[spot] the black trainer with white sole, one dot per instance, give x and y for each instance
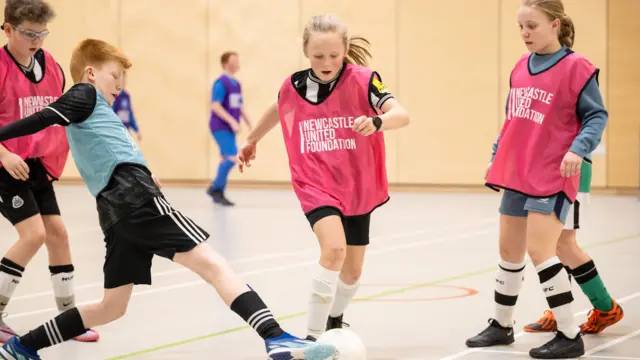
(493, 335)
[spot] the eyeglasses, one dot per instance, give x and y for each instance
(30, 34)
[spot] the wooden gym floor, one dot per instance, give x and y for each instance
(427, 283)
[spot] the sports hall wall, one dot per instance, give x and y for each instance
(447, 61)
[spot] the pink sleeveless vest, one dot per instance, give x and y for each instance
(331, 165)
(540, 126)
(20, 98)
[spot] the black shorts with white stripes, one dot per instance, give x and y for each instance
(153, 229)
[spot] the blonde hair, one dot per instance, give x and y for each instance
(554, 9)
(357, 47)
(92, 52)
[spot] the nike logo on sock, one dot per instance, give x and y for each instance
(67, 304)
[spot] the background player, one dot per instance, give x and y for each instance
(122, 106)
(31, 79)
(341, 180)
(138, 222)
(227, 108)
(545, 87)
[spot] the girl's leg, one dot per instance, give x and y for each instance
(357, 236)
(329, 229)
(510, 272)
(545, 223)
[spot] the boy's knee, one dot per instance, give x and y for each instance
(114, 309)
(57, 236)
(35, 236)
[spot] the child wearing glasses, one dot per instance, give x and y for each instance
(30, 79)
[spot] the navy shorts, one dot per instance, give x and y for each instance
(517, 204)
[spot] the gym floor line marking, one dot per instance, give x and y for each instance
(274, 256)
(375, 296)
(522, 333)
(466, 292)
(585, 356)
(137, 293)
(610, 343)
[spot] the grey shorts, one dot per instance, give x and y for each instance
(517, 204)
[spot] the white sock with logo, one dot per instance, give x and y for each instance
(10, 277)
(63, 286)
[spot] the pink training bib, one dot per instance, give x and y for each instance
(331, 165)
(540, 126)
(20, 98)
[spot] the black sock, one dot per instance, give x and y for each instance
(59, 269)
(10, 267)
(254, 311)
(58, 330)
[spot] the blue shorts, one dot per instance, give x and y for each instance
(517, 204)
(226, 142)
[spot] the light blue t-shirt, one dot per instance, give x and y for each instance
(99, 144)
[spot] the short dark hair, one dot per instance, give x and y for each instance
(224, 59)
(37, 11)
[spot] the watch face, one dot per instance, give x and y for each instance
(377, 122)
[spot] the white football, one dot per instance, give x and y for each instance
(347, 342)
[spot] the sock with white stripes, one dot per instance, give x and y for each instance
(253, 310)
(509, 280)
(344, 294)
(63, 327)
(62, 280)
(323, 290)
(10, 276)
(557, 288)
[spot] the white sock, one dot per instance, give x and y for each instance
(509, 280)
(8, 284)
(323, 290)
(10, 277)
(557, 288)
(63, 290)
(344, 294)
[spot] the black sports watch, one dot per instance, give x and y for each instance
(377, 122)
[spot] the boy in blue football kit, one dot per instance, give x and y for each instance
(123, 108)
(227, 108)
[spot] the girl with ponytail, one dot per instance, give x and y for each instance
(333, 116)
(555, 118)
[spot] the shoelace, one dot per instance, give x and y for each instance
(592, 319)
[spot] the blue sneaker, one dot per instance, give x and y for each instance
(289, 347)
(13, 350)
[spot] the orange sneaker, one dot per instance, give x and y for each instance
(600, 320)
(547, 323)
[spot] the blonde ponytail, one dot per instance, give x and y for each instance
(358, 51)
(567, 32)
